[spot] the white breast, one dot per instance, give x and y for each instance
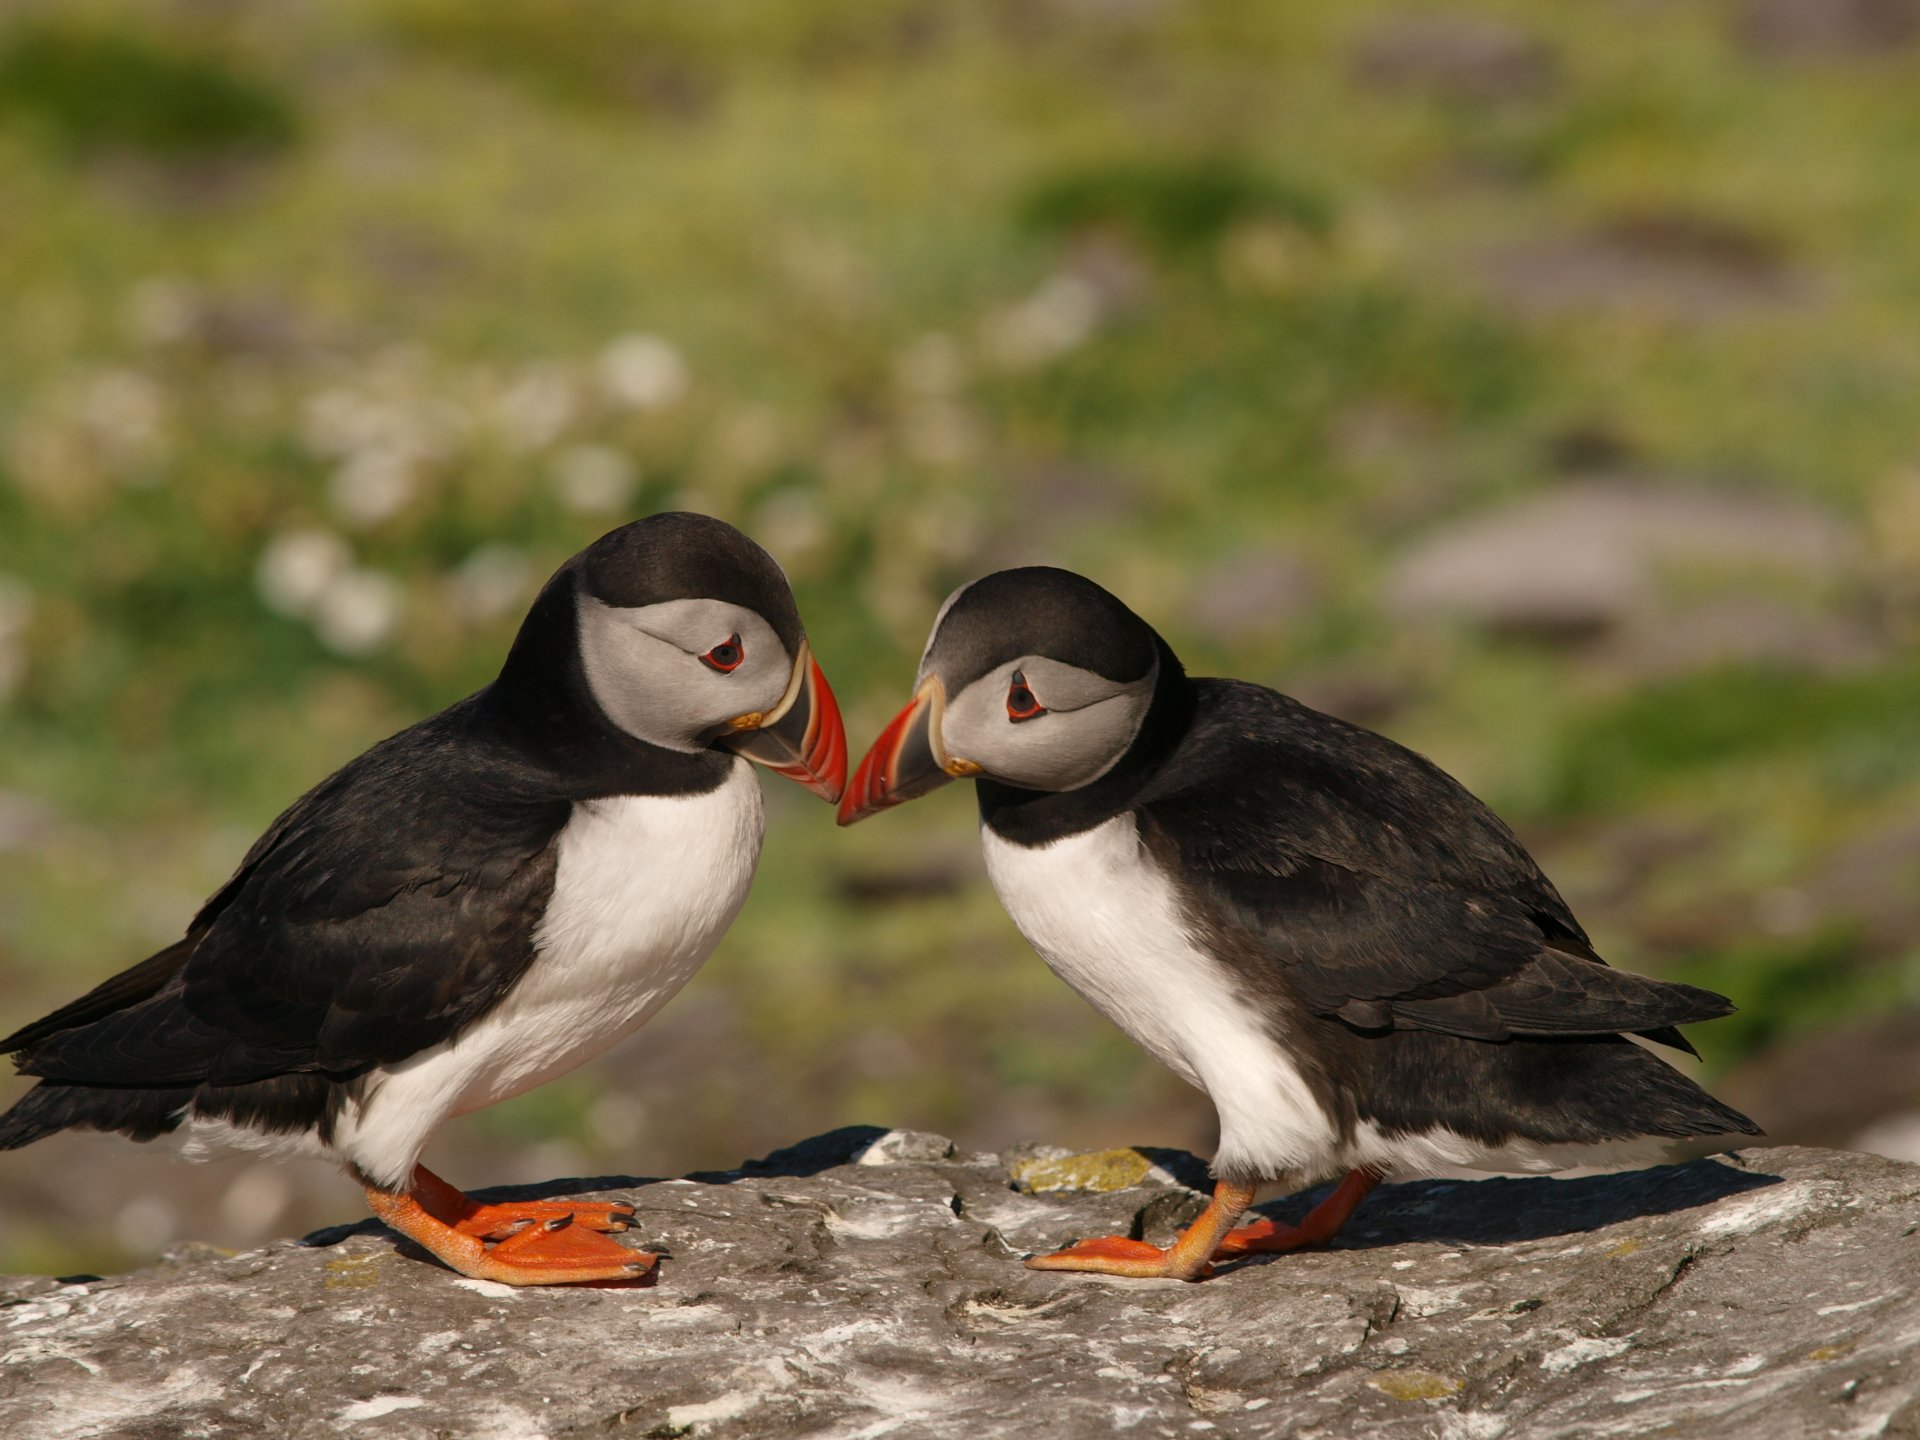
(1107, 922)
(645, 888)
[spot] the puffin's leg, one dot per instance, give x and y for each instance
(1322, 1223)
(496, 1222)
(545, 1252)
(1185, 1259)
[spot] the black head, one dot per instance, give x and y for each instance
(1039, 611)
(680, 632)
(682, 556)
(1036, 678)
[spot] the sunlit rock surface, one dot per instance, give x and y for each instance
(868, 1283)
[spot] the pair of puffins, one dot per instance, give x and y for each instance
(1353, 957)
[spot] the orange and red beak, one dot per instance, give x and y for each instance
(802, 737)
(908, 760)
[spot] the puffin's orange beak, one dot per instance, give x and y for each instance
(802, 737)
(907, 761)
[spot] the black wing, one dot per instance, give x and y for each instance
(389, 907)
(1361, 881)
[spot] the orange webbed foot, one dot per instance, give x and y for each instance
(559, 1252)
(1322, 1223)
(452, 1206)
(537, 1242)
(497, 1222)
(1117, 1255)
(1263, 1237)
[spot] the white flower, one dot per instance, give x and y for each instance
(1055, 320)
(126, 412)
(789, 524)
(535, 410)
(932, 366)
(373, 486)
(340, 421)
(491, 582)
(162, 310)
(594, 479)
(358, 611)
(643, 372)
(145, 1223)
(296, 568)
(938, 432)
(16, 609)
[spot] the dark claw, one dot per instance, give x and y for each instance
(559, 1222)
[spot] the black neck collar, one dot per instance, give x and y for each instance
(1035, 817)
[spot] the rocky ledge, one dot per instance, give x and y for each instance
(868, 1283)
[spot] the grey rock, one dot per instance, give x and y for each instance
(24, 819)
(1457, 56)
(1672, 266)
(1591, 554)
(1747, 629)
(1253, 592)
(1829, 29)
(906, 1147)
(1855, 1080)
(1776, 1293)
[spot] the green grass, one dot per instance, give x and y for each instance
(89, 89)
(1857, 735)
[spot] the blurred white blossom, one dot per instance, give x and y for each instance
(391, 405)
(340, 420)
(373, 486)
(617, 1121)
(16, 609)
(358, 611)
(948, 525)
(790, 524)
(750, 437)
(256, 1200)
(931, 366)
(938, 432)
(145, 1224)
(296, 568)
(1055, 320)
(162, 310)
(125, 412)
(643, 372)
(535, 410)
(594, 479)
(491, 582)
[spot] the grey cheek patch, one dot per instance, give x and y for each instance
(642, 669)
(1063, 750)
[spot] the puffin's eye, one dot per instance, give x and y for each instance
(726, 656)
(1022, 703)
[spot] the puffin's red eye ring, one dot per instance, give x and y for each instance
(1022, 703)
(726, 656)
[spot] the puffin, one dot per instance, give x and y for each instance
(477, 904)
(1350, 955)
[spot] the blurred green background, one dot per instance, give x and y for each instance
(1536, 383)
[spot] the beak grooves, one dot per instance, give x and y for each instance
(802, 737)
(906, 761)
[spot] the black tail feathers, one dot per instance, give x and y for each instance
(52, 1106)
